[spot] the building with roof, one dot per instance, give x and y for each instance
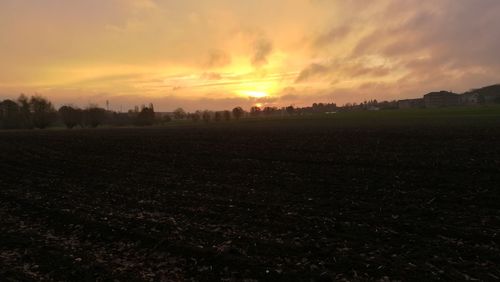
(441, 99)
(411, 103)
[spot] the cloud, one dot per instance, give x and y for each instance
(288, 94)
(358, 69)
(406, 48)
(262, 48)
(217, 58)
(143, 4)
(333, 35)
(211, 76)
(354, 49)
(313, 71)
(458, 33)
(341, 69)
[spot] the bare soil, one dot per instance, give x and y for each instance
(259, 201)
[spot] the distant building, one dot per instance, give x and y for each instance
(411, 103)
(486, 95)
(470, 98)
(491, 98)
(441, 99)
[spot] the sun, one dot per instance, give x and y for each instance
(254, 94)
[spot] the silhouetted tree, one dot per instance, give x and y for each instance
(290, 110)
(179, 113)
(196, 116)
(165, 119)
(43, 113)
(226, 115)
(238, 112)
(388, 105)
(146, 116)
(121, 119)
(255, 111)
(71, 116)
(206, 116)
(218, 116)
(269, 110)
(25, 112)
(94, 116)
(10, 115)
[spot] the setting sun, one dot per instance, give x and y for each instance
(219, 54)
(254, 94)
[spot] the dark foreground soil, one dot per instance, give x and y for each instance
(258, 201)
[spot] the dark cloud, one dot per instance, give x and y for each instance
(454, 33)
(262, 48)
(426, 45)
(217, 58)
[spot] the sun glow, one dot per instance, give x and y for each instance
(253, 94)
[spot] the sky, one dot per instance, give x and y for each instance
(218, 54)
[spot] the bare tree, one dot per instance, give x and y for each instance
(269, 111)
(71, 116)
(43, 113)
(238, 112)
(179, 113)
(166, 119)
(218, 116)
(226, 115)
(146, 116)
(9, 115)
(196, 116)
(255, 111)
(206, 116)
(25, 111)
(94, 116)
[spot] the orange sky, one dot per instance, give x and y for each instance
(217, 54)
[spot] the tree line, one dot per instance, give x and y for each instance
(38, 112)
(34, 112)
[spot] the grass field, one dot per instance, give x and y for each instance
(361, 196)
(473, 116)
(454, 116)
